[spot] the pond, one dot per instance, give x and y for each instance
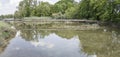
(35, 41)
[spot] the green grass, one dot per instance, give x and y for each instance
(5, 30)
(3, 24)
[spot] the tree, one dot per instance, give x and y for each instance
(63, 5)
(43, 9)
(34, 8)
(25, 8)
(6, 16)
(102, 10)
(83, 9)
(70, 12)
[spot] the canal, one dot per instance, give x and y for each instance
(61, 40)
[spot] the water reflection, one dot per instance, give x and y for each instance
(5, 37)
(63, 43)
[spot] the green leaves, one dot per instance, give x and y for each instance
(70, 12)
(43, 9)
(63, 5)
(105, 10)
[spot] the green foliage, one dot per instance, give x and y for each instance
(25, 8)
(6, 16)
(43, 9)
(58, 15)
(70, 12)
(63, 5)
(103, 10)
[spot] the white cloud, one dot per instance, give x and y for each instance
(0, 5)
(50, 1)
(15, 2)
(4, 1)
(9, 7)
(42, 44)
(77, 0)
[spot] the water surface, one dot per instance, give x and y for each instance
(30, 42)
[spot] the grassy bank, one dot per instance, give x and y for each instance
(110, 24)
(6, 34)
(6, 31)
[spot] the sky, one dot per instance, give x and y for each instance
(9, 6)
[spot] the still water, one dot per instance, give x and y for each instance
(29, 42)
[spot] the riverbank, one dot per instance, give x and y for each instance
(48, 20)
(110, 24)
(6, 31)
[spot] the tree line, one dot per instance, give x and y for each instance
(6, 16)
(102, 10)
(29, 8)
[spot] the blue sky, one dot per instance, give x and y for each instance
(9, 6)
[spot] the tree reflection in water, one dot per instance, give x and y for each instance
(5, 37)
(92, 43)
(99, 42)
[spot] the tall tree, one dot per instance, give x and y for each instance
(63, 5)
(43, 9)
